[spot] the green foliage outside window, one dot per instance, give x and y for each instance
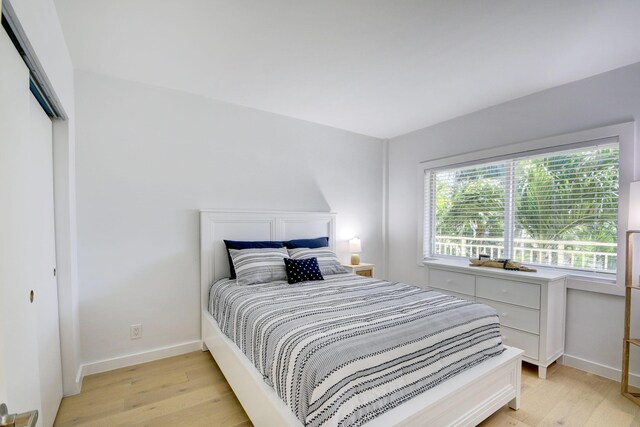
(564, 207)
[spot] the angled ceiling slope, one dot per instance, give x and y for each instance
(376, 67)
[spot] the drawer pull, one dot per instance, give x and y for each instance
(449, 280)
(504, 291)
(504, 314)
(504, 338)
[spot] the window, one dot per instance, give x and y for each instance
(553, 209)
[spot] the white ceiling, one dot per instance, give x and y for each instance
(377, 67)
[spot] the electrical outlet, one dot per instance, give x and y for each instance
(135, 331)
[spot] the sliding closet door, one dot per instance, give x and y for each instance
(19, 271)
(46, 289)
(30, 366)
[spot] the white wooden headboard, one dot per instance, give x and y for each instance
(218, 225)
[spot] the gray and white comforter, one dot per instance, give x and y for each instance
(342, 351)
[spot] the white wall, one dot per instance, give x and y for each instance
(594, 320)
(39, 20)
(149, 158)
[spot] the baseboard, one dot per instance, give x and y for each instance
(78, 384)
(598, 369)
(136, 358)
(74, 387)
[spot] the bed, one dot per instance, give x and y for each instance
(464, 399)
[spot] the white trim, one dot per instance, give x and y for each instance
(598, 369)
(591, 284)
(623, 132)
(422, 186)
(137, 358)
(385, 209)
(586, 137)
(75, 387)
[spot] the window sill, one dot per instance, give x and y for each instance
(594, 283)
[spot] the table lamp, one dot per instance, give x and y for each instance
(355, 247)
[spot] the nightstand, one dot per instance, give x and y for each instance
(362, 269)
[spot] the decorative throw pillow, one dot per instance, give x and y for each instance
(259, 265)
(327, 259)
(302, 270)
(242, 244)
(318, 242)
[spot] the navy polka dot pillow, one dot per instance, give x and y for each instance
(302, 270)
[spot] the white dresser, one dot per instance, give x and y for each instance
(531, 306)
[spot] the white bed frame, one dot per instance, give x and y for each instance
(464, 400)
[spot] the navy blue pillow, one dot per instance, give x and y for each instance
(302, 270)
(318, 242)
(239, 244)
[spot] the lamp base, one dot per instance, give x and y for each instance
(355, 259)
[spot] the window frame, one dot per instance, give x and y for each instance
(623, 134)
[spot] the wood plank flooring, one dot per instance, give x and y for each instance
(568, 397)
(186, 390)
(190, 390)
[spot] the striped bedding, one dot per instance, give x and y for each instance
(342, 351)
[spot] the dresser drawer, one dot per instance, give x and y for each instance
(453, 294)
(515, 316)
(457, 282)
(522, 340)
(520, 293)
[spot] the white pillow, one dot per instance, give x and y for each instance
(327, 259)
(259, 265)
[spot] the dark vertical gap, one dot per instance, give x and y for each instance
(34, 87)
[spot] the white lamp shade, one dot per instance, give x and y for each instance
(634, 206)
(355, 245)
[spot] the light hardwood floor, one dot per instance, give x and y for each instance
(189, 390)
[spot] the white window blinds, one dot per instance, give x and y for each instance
(556, 209)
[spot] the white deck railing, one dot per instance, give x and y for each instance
(587, 255)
